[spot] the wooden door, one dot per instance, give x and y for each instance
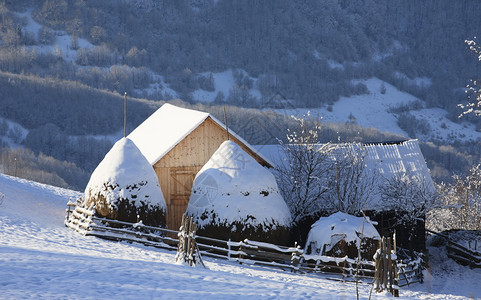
(181, 180)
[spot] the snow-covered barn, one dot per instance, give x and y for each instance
(177, 142)
(388, 160)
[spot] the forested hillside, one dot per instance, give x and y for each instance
(65, 65)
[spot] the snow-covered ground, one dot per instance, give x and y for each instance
(42, 259)
(63, 41)
(223, 82)
(14, 133)
(372, 110)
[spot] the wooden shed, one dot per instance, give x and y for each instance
(178, 142)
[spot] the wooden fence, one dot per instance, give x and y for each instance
(248, 252)
(460, 253)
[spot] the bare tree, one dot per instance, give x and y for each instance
(412, 195)
(327, 178)
(301, 174)
(351, 183)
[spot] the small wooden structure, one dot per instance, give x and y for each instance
(178, 142)
(187, 249)
(386, 277)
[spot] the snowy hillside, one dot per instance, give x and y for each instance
(374, 110)
(63, 43)
(42, 259)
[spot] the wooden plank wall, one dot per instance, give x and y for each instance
(177, 169)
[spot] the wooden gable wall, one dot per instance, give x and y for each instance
(177, 169)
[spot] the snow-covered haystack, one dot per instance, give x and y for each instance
(124, 187)
(234, 197)
(339, 234)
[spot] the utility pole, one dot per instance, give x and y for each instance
(226, 127)
(125, 114)
(15, 172)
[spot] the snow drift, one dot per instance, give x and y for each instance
(124, 187)
(234, 197)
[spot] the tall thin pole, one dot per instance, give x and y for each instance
(15, 173)
(125, 114)
(226, 127)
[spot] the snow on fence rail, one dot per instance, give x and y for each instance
(247, 252)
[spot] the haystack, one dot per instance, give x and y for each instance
(234, 197)
(339, 235)
(125, 187)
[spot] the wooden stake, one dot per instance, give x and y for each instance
(389, 266)
(125, 114)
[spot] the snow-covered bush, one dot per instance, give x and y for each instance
(339, 235)
(124, 187)
(460, 203)
(234, 197)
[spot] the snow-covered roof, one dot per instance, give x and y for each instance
(386, 159)
(168, 126)
(233, 187)
(397, 158)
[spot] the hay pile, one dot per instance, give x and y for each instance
(234, 197)
(339, 235)
(124, 187)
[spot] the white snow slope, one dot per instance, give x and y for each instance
(42, 259)
(373, 111)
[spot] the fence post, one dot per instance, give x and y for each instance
(228, 249)
(386, 273)
(187, 250)
(377, 270)
(396, 273)
(295, 258)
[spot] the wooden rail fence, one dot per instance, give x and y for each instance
(248, 252)
(460, 253)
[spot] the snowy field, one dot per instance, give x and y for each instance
(42, 259)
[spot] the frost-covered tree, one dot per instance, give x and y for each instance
(350, 182)
(473, 89)
(410, 196)
(461, 203)
(302, 171)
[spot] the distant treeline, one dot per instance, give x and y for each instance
(309, 51)
(75, 108)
